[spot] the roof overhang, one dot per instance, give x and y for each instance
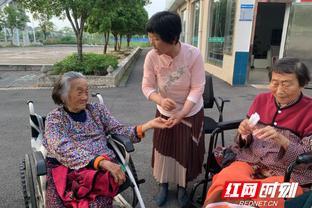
(174, 5)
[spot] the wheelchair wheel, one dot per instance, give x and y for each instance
(31, 186)
(127, 197)
(27, 181)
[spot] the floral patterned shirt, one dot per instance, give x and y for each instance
(180, 78)
(74, 144)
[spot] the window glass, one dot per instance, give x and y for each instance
(298, 41)
(196, 10)
(183, 21)
(221, 26)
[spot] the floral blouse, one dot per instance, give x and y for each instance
(74, 144)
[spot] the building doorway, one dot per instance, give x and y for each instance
(267, 36)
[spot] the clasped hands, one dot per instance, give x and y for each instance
(267, 132)
(169, 105)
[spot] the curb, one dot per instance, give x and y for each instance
(110, 80)
(25, 67)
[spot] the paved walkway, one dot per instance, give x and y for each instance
(41, 55)
(126, 103)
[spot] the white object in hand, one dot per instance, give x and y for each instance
(254, 118)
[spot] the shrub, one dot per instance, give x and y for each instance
(92, 64)
(61, 40)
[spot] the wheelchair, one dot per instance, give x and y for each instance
(211, 166)
(33, 168)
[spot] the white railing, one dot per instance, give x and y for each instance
(4, 2)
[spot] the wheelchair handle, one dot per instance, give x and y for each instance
(304, 158)
(30, 104)
(99, 96)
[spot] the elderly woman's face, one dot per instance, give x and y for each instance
(78, 95)
(285, 87)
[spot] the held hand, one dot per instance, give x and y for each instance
(115, 170)
(158, 122)
(245, 128)
(168, 104)
(175, 119)
(269, 132)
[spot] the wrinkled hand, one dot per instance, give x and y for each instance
(269, 132)
(168, 104)
(115, 170)
(159, 122)
(245, 128)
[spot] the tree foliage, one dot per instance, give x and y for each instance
(1, 20)
(45, 24)
(76, 11)
(126, 19)
(14, 16)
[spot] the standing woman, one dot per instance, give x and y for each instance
(174, 78)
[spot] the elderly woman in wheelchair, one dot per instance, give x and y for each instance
(284, 131)
(81, 169)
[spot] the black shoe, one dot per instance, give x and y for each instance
(183, 198)
(161, 197)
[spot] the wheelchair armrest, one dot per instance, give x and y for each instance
(40, 163)
(125, 141)
(220, 106)
(304, 158)
(229, 125)
(222, 126)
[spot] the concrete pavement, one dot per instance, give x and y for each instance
(126, 103)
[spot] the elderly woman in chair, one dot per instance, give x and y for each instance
(82, 170)
(283, 132)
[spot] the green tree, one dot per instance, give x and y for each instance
(1, 20)
(119, 24)
(45, 24)
(137, 20)
(100, 21)
(76, 11)
(129, 20)
(15, 17)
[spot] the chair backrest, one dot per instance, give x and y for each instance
(37, 125)
(208, 95)
(36, 121)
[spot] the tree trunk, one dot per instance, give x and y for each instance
(116, 41)
(128, 40)
(12, 36)
(120, 41)
(79, 46)
(106, 39)
(78, 29)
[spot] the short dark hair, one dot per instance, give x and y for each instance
(165, 24)
(62, 85)
(290, 65)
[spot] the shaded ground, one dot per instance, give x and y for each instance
(126, 103)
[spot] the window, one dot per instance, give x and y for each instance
(229, 26)
(298, 42)
(196, 10)
(221, 26)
